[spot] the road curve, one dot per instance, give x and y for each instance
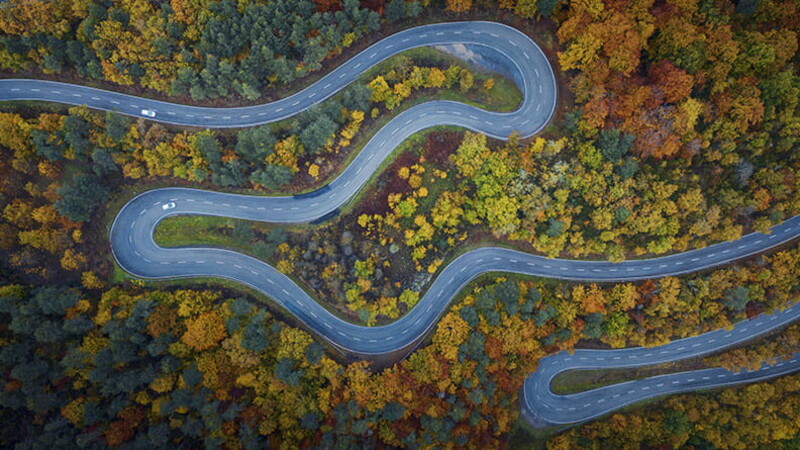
(136, 251)
(542, 407)
(131, 234)
(524, 57)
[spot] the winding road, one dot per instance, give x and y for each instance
(543, 407)
(133, 246)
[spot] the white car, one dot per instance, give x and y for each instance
(167, 206)
(148, 113)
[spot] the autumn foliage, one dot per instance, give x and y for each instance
(680, 129)
(204, 331)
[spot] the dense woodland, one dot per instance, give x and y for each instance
(147, 367)
(679, 127)
(57, 160)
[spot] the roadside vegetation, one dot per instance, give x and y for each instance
(678, 127)
(782, 345)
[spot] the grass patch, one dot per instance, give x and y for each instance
(180, 231)
(573, 381)
(257, 239)
(119, 276)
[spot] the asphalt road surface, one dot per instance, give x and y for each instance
(542, 407)
(134, 249)
(524, 55)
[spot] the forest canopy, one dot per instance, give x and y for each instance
(678, 127)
